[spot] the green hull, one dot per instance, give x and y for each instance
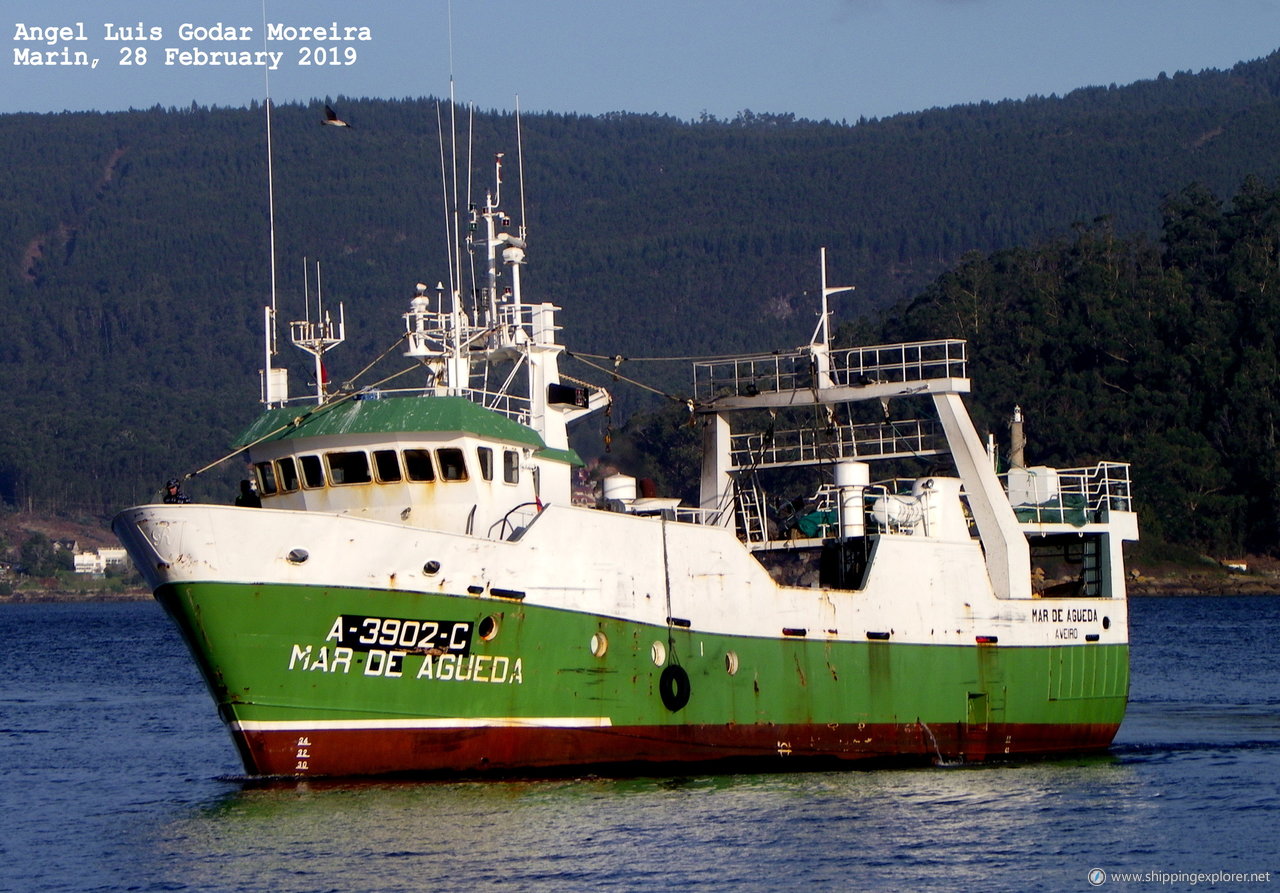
(317, 681)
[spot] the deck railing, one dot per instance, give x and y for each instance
(1071, 495)
(747, 376)
(911, 361)
(807, 446)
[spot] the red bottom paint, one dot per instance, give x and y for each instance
(474, 751)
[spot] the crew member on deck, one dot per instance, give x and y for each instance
(248, 497)
(173, 492)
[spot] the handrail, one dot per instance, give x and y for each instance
(800, 446)
(748, 375)
(1071, 495)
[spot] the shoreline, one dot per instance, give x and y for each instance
(1253, 586)
(57, 596)
(1171, 584)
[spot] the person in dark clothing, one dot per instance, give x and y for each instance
(173, 492)
(248, 497)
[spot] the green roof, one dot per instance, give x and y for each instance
(568, 457)
(393, 415)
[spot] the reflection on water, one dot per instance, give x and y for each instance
(873, 829)
(113, 777)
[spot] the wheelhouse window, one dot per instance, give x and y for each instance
(266, 479)
(287, 474)
(417, 465)
(511, 466)
(453, 467)
(312, 471)
(485, 455)
(386, 465)
(348, 468)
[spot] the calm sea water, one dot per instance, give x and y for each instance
(115, 775)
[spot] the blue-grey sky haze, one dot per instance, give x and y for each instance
(818, 59)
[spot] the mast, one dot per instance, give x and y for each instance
(1017, 440)
(492, 215)
(820, 343)
(318, 336)
(275, 381)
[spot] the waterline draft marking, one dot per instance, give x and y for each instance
(1099, 876)
(198, 45)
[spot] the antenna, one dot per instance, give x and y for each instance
(450, 236)
(275, 382)
(455, 250)
(453, 152)
(520, 166)
(319, 295)
(471, 167)
(271, 217)
(449, 19)
(824, 323)
(319, 336)
(453, 160)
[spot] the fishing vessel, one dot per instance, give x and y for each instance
(420, 592)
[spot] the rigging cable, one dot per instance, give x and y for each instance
(618, 376)
(323, 407)
(694, 359)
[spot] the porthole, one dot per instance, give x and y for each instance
(488, 628)
(297, 556)
(659, 654)
(599, 644)
(1106, 623)
(431, 568)
(731, 663)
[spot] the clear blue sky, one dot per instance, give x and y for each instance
(835, 59)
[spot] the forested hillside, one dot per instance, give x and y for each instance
(1166, 353)
(138, 264)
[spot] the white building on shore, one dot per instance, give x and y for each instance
(98, 561)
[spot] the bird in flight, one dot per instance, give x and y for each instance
(331, 117)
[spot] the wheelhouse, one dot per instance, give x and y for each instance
(426, 461)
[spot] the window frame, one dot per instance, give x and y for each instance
(345, 469)
(285, 486)
(266, 472)
(443, 467)
(379, 457)
(421, 454)
(307, 476)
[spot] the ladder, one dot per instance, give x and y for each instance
(749, 501)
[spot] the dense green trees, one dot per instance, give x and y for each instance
(1161, 354)
(39, 557)
(1118, 347)
(138, 266)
